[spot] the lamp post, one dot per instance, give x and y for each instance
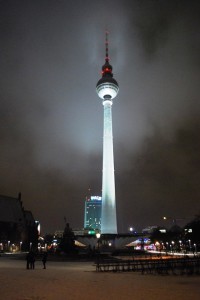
(167, 247)
(172, 246)
(180, 245)
(98, 235)
(189, 241)
(8, 246)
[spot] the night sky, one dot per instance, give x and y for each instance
(51, 124)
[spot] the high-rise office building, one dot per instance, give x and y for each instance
(92, 219)
(107, 89)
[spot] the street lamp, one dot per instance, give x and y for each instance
(167, 247)
(172, 246)
(8, 245)
(157, 244)
(98, 235)
(180, 242)
(131, 229)
(189, 244)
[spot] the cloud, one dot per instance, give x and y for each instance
(163, 176)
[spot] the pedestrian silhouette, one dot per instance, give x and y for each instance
(44, 259)
(32, 260)
(28, 260)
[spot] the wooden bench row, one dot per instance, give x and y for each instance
(158, 266)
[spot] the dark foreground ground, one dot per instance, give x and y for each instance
(79, 280)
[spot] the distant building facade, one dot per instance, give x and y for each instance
(92, 215)
(18, 229)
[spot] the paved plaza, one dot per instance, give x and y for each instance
(79, 280)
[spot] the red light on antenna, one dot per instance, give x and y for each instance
(107, 70)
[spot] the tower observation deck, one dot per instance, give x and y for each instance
(107, 89)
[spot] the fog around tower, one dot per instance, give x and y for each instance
(52, 120)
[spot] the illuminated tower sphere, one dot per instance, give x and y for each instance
(107, 89)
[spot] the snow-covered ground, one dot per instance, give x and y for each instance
(79, 280)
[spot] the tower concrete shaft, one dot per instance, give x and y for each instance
(108, 217)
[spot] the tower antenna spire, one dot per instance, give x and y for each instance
(106, 44)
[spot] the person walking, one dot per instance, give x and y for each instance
(44, 259)
(32, 260)
(28, 260)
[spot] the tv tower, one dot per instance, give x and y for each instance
(107, 89)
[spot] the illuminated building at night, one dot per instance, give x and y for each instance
(92, 217)
(107, 89)
(18, 228)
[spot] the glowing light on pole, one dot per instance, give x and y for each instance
(8, 245)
